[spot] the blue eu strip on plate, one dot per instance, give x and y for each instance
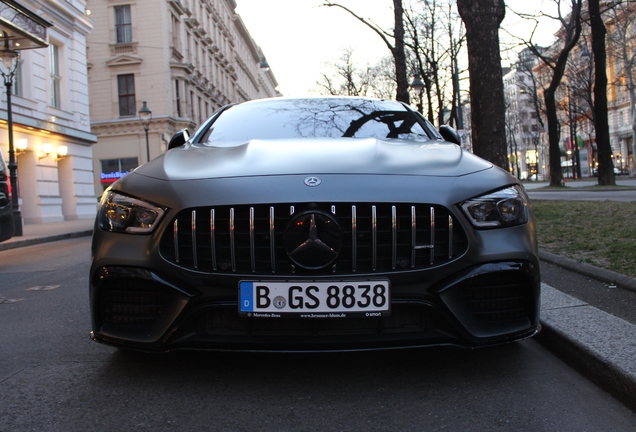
(247, 289)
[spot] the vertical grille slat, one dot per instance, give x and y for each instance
(354, 238)
(413, 236)
(232, 240)
(450, 237)
(213, 237)
(375, 237)
(272, 242)
(252, 244)
(393, 238)
(175, 235)
(432, 235)
(193, 229)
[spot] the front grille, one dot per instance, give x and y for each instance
(498, 296)
(132, 302)
(375, 238)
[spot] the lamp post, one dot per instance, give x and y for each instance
(418, 85)
(10, 63)
(145, 115)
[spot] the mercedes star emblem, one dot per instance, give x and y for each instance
(313, 240)
(312, 181)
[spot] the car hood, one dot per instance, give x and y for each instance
(314, 156)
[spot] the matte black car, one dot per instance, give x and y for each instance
(314, 224)
(6, 210)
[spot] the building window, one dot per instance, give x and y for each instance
(177, 97)
(113, 169)
(200, 110)
(192, 117)
(175, 33)
(126, 87)
(123, 24)
(16, 89)
(55, 75)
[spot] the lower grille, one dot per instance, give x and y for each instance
(256, 240)
(498, 297)
(224, 320)
(132, 302)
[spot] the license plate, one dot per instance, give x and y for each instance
(314, 299)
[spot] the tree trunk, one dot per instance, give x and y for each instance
(556, 174)
(482, 20)
(605, 164)
(397, 48)
(398, 54)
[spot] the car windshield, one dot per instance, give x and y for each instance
(315, 118)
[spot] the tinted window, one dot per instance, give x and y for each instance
(315, 118)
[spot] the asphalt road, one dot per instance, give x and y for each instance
(54, 378)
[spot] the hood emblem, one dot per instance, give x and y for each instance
(312, 181)
(313, 240)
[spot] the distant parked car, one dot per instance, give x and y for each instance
(6, 210)
(314, 224)
(616, 172)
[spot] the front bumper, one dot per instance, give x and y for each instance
(487, 304)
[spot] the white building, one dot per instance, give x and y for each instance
(50, 107)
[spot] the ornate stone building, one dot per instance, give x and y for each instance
(184, 58)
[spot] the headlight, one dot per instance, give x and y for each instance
(120, 213)
(506, 207)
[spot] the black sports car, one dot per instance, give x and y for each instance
(314, 224)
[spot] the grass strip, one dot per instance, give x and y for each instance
(601, 233)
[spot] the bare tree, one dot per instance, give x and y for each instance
(396, 47)
(555, 60)
(482, 20)
(345, 77)
(577, 100)
(605, 163)
(422, 28)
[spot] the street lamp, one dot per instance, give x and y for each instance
(145, 115)
(10, 63)
(418, 85)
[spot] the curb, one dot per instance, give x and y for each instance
(46, 239)
(581, 340)
(603, 275)
(601, 372)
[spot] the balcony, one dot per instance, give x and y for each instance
(123, 48)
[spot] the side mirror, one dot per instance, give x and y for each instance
(450, 134)
(179, 139)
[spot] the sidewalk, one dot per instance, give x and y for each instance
(600, 345)
(48, 232)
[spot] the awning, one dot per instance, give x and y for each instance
(21, 29)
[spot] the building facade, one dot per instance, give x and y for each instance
(574, 97)
(50, 111)
(184, 58)
(526, 154)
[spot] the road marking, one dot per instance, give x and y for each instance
(43, 288)
(9, 301)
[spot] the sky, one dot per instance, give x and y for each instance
(300, 37)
